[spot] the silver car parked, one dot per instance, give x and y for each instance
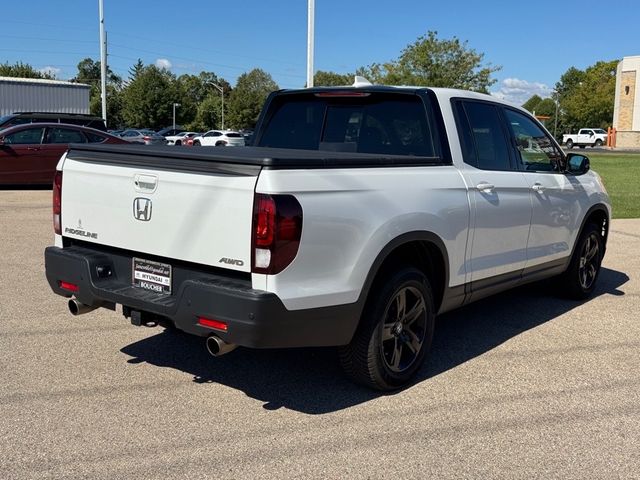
(145, 137)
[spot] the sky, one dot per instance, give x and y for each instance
(533, 42)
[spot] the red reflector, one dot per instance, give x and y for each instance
(72, 287)
(205, 322)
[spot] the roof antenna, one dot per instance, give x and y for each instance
(361, 82)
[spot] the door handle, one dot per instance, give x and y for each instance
(485, 187)
(33, 149)
(537, 187)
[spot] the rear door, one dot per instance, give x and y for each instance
(499, 195)
(21, 157)
(193, 211)
(56, 142)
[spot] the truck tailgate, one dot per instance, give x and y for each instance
(201, 214)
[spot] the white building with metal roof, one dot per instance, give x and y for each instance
(40, 95)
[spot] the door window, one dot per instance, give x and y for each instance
(26, 136)
(483, 140)
(65, 135)
(536, 150)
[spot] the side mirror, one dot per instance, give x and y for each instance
(577, 164)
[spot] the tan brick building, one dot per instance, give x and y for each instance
(626, 113)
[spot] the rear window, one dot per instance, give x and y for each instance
(233, 135)
(378, 123)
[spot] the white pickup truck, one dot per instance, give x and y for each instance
(361, 213)
(592, 137)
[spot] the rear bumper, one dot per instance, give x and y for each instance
(255, 318)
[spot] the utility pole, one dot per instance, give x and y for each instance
(103, 61)
(174, 114)
(221, 90)
(310, 42)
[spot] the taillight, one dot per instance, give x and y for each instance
(146, 138)
(57, 203)
(277, 228)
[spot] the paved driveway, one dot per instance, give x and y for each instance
(522, 385)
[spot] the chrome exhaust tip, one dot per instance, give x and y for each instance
(217, 347)
(78, 308)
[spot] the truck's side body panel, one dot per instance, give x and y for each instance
(350, 215)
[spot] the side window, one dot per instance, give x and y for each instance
(484, 143)
(65, 135)
(24, 137)
(94, 137)
(536, 150)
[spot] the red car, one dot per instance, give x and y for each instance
(29, 153)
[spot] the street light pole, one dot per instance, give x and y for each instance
(555, 120)
(174, 114)
(310, 41)
(103, 61)
(221, 90)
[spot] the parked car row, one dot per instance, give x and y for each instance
(178, 137)
(31, 144)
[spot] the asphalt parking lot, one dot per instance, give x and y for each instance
(522, 385)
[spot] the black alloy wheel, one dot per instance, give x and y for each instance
(579, 280)
(395, 331)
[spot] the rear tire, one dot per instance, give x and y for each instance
(394, 334)
(178, 143)
(579, 280)
(569, 144)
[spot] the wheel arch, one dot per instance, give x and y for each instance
(421, 249)
(599, 215)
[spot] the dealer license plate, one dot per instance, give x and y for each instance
(154, 276)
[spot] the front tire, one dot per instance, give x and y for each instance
(598, 143)
(579, 280)
(394, 334)
(196, 143)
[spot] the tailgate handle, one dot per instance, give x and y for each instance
(146, 183)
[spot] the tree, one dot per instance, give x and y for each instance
(247, 99)
(90, 73)
(331, 79)
(435, 62)
(148, 98)
(197, 97)
(587, 97)
(532, 103)
(591, 104)
(136, 69)
(23, 70)
(208, 114)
